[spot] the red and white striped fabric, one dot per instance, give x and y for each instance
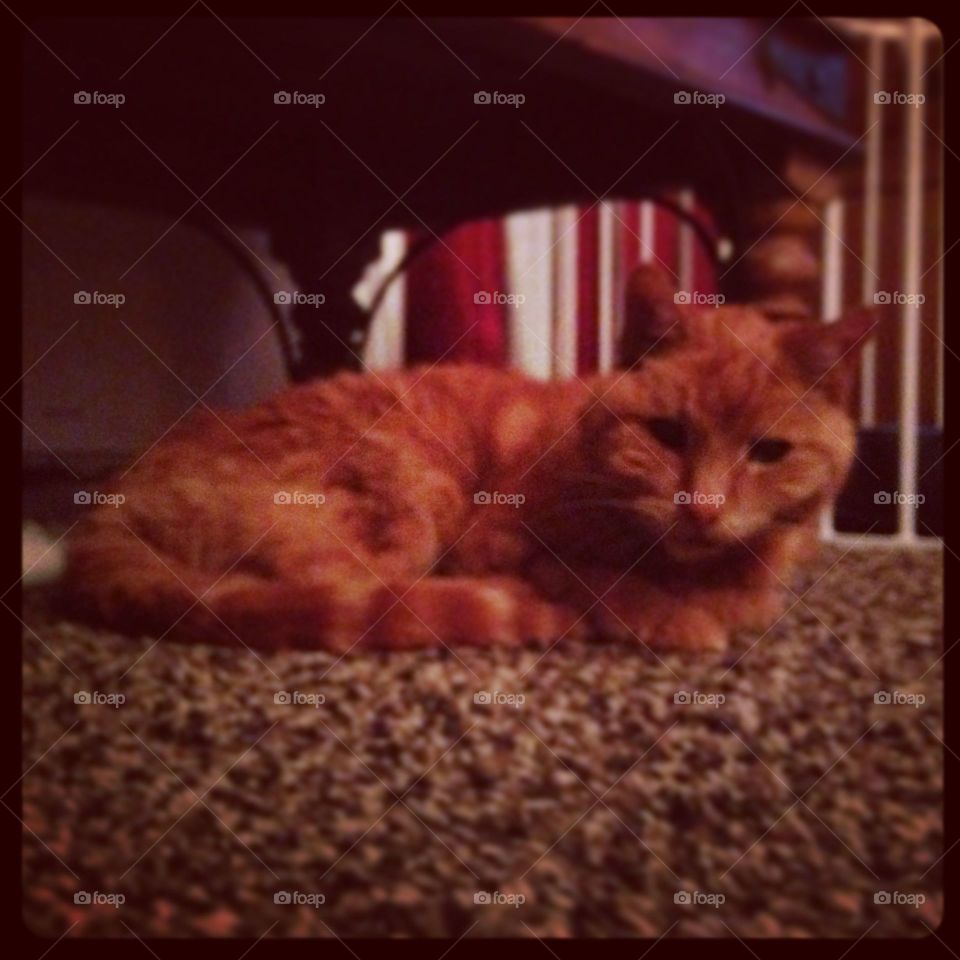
(539, 290)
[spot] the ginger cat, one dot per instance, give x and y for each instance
(668, 502)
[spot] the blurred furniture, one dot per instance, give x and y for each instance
(399, 140)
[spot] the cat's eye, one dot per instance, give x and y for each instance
(769, 450)
(669, 432)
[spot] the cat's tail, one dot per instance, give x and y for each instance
(119, 581)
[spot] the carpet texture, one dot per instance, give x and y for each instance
(602, 792)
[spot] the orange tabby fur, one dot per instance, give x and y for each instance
(399, 554)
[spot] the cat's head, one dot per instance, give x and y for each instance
(726, 426)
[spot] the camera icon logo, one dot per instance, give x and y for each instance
(682, 96)
(681, 896)
(281, 496)
(482, 97)
(82, 696)
(882, 96)
(882, 497)
(282, 96)
(282, 297)
(681, 496)
(82, 297)
(482, 297)
(82, 897)
(82, 497)
(681, 297)
(81, 96)
(881, 896)
(282, 896)
(482, 696)
(481, 496)
(681, 696)
(881, 297)
(281, 696)
(882, 697)
(481, 896)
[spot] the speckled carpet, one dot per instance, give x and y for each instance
(599, 792)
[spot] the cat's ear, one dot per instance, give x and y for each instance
(653, 318)
(825, 354)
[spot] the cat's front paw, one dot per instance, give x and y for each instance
(688, 629)
(475, 611)
(694, 630)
